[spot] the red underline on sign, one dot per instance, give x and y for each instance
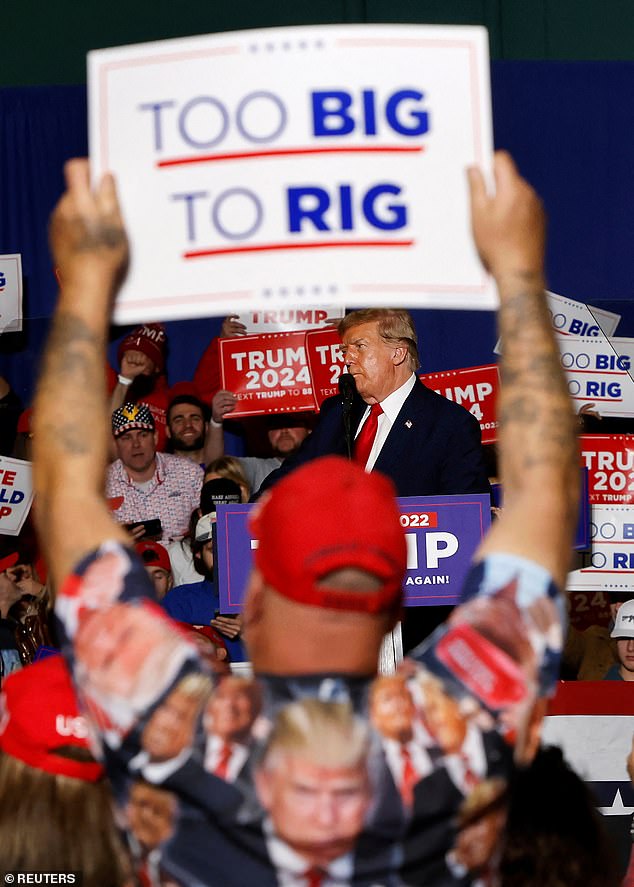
(597, 399)
(598, 372)
(271, 247)
(290, 152)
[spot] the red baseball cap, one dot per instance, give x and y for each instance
(325, 516)
(150, 339)
(206, 631)
(154, 555)
(24, 421)
(39, 717)
(9, 560)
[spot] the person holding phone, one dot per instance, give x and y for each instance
(152, 485)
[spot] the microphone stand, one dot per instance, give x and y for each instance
(347, 389)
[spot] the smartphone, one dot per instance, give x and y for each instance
(152, 527)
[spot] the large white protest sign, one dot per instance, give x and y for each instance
(598, 377)
(300, 165)
(10, 293)
(16, 494)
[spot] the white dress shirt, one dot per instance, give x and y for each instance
(213, 752)
(391, 407)
(291, 867)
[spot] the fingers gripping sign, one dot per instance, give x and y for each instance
(224, 402)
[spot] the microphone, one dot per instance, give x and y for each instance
(347, 389)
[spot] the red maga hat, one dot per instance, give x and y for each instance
(150, 339)
(39, 718)
(154, 555)
(331, 515)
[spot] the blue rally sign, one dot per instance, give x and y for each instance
(442, 534)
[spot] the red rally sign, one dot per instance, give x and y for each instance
(474, 388)
(609, 459)
(281, 372)
(325, 362)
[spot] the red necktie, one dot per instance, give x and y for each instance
(365, 438)
(409, 777)
(314, 877)
(145, 878)
(471, 778)
(222, 767)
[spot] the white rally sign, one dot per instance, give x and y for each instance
(598, 377)
(10, 293)
(306, 165)
(16, 494)
(572, 318)
(610, 564)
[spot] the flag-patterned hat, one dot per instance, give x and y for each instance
(132, 416)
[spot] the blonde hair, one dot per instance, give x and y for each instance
(194, 686)
(51, 822)
(229, 467)
(394, 325)
(327, 733)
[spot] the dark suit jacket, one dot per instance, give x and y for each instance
(433, 447)
(432, 830)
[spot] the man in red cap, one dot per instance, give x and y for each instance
(141, 377)
(157, 565)
(326, 582)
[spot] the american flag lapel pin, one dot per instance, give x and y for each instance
(408, 424)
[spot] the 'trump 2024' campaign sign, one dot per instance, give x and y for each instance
(299, 165)
(281, 372)
(474, 388)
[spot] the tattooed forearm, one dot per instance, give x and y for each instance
(70, 353)
(91, 235)
(104, 235)
(71, 438)
(534, 409)
(67, 329)
(536, 369)
(532, 357)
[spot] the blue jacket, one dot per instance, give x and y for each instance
(197, 603)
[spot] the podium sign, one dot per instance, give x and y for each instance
(442, 534)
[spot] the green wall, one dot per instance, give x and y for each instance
(46, 42)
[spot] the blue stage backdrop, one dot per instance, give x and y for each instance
(570, 126)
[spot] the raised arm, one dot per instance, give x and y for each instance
(537, 434)
(223, 403)
(70, 421)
